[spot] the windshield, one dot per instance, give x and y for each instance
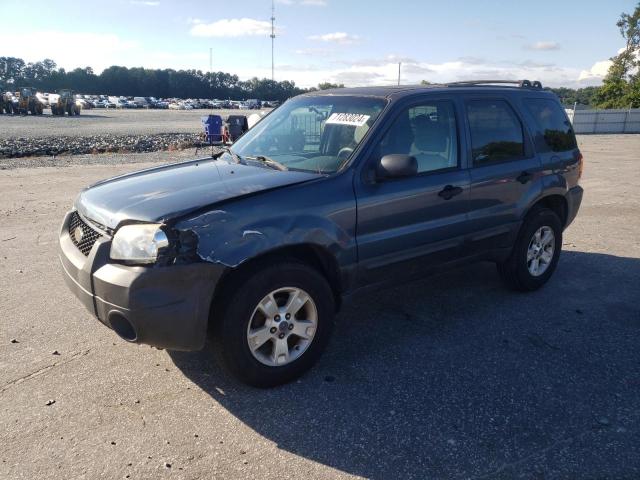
(315, 134)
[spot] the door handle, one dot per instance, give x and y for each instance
(449, 192)
(524, 177)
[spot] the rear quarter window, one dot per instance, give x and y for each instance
(553, 124)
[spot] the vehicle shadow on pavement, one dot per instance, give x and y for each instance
(455, 376)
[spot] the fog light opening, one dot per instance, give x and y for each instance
(122, 327)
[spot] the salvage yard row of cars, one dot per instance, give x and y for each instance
(28, 100)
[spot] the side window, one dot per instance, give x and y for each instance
(553, 123)
(427, 132)
(496, 132)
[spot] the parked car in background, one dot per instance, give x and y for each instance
(84, 104)
(140, 102)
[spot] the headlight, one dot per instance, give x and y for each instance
(138, 243)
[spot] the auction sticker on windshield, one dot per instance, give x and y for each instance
(353, 119)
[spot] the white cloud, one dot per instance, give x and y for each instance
(68, 50)
(146, 3)
(597, 71)
(384, 71)
(316, 52)
(336, 37)
(232, 27)
(544, 46)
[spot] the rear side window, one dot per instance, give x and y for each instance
(496, 132)
(553, 123)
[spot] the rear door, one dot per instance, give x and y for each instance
(406, 225)
(504, 170)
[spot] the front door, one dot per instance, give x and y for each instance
(406, 225)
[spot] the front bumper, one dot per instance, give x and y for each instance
(167, 307)
(574, 199)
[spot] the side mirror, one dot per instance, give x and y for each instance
(397, 165)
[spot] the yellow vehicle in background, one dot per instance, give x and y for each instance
(65, 103)
(28, 102)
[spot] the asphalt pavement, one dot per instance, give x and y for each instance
(451, 377)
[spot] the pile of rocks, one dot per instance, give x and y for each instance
(26, 147)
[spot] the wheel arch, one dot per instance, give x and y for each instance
(313, 255)
(554, 202)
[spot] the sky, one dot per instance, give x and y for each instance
(355, 42)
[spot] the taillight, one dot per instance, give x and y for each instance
(580, 164)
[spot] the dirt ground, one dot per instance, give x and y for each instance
(450, 377)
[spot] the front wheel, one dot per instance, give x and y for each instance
(535, 253)
(276, 324)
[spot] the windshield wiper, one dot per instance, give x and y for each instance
(269, 162)
(237, 158)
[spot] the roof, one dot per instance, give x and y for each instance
(403, 90)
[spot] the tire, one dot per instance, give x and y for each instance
(516, 271)
(241, 314)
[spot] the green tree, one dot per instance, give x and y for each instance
(621, 86)
(138, 81)
(11, 69)
(328, 85)
(581, 96)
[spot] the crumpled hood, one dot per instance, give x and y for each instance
(162, 193)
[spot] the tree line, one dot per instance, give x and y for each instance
(46, 76)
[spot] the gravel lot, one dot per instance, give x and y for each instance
(110, 121)
(100, 131)
(449, 377)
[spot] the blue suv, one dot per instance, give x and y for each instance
(332, 193)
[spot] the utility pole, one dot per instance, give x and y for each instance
(273, 36)
(399, 65)
(210, 71)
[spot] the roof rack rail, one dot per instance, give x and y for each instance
(520, 83)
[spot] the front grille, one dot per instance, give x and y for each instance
(82, 235)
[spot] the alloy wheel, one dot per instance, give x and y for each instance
(282, 326)
(540, 252)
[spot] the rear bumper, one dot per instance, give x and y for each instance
(574, 199)
(167, 307)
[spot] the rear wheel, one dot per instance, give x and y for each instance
(276, 324)
(535, 253)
